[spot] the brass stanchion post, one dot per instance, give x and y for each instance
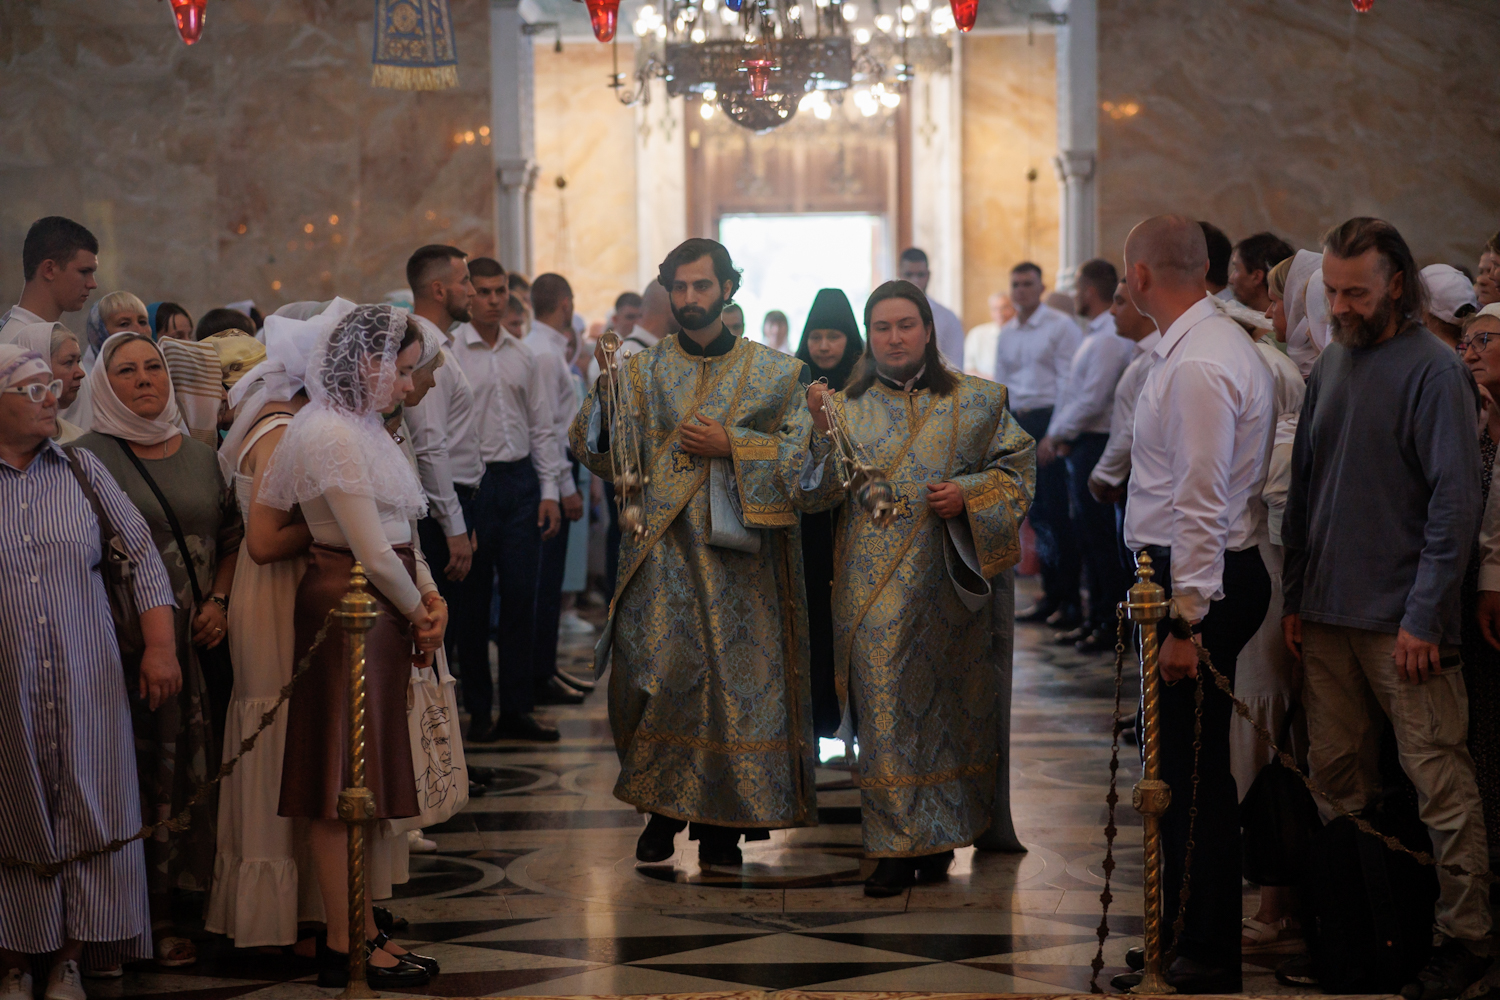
(357, 612)
(1146, 606)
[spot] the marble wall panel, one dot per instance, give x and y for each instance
(201, 168)
(585, 231)
(1009, 130)
(1293, 115)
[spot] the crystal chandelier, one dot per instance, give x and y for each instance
(761, 61)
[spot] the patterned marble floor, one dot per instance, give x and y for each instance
(534, 889)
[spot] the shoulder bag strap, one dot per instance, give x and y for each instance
(106, 526)
(161, 498)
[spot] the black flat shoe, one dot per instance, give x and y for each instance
(430, 964)
(386, 921)
(657, 841)
(1135, 958)
(1185, 976)
(718, 846)
(1097, 641)
(553, 691)
(1072, 636)
(1036, 614)
(519, 726)
(1065, 619)
(574, 681)
(892, 877)
(933, 867)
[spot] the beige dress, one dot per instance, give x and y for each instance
(255, 895)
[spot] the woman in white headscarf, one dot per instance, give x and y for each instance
(59, 346)
(174, 481)
(1306, 310)
(358, 495)
(259, 893)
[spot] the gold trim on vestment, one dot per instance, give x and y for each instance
(712, 746)
(936, 778)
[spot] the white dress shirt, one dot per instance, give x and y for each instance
(949, 330)
(445, 438)
(1087, 397)
(1203, 431)
(551, 350)
(1114, 465)
(1033, 356)
(513, 407)
(979, 350)
(19, 316)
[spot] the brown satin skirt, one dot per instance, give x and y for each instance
(316, 766)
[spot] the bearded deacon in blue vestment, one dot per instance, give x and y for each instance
(912, 610)
(709, 698)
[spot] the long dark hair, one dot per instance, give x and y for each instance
(1360, 235)
(939, 379)
(831, 311)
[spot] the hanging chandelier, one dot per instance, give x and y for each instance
(761, 61)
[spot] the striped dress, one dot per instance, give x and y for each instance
(67, 759)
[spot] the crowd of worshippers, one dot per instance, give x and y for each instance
(1301, 441)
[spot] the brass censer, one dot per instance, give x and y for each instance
(626, 469)
(871, 490)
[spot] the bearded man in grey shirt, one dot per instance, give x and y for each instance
(1380, 519)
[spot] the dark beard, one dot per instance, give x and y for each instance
(902, 375)
(694, 318)
(1354, 330)
(458, 314)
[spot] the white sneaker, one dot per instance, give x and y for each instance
(65, 983)
(418, 844)
(15, 986)
(570, 623)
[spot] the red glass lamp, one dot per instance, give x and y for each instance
(1363, 6)
(189, 15)
(760, 76)
(964, 13)
(602, 17)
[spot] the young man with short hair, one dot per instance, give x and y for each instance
(913, 267)
(1251, 263)
(58, 261)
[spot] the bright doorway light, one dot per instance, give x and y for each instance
(787, 258)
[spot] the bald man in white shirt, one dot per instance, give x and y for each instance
(1203, 431)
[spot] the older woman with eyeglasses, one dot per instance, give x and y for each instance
(60, 347)
(1480, 349)
(176, 482)
(68, 760)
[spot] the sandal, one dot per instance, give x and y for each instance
(1259, 937)
(173, 952)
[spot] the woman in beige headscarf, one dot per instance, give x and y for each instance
(59, 345)
(137, 434)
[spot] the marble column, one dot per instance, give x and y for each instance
(660, 180)
(512, 116)
(1077, 135)
(937, 178)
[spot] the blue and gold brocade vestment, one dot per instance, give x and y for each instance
(918, 659)
(709, 699)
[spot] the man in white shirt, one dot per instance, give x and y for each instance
(950, 329)
(1250, 265)
(734, 320)
(1203, 431)
(1078, 434)
(627, 313)
(58, 261)
(552, 306)
(979, 345)
(776, 331)
(1107, 481)
(1032, 360)
(515, 509)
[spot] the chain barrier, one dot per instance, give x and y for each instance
(1111, 800)
(181, 822)
(1106, 897)
(1486, 877)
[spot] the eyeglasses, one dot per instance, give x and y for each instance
(37, 391)
(1477, 342)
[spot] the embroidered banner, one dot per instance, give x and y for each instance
(414, 48)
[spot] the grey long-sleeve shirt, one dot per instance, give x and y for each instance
(1384, 499)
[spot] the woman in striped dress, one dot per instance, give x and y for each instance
(67, 760)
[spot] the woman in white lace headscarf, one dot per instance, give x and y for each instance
(1306, 310)
(358, 495)
(260, 893)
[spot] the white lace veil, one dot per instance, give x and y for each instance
(338, 442)
(289, 343)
